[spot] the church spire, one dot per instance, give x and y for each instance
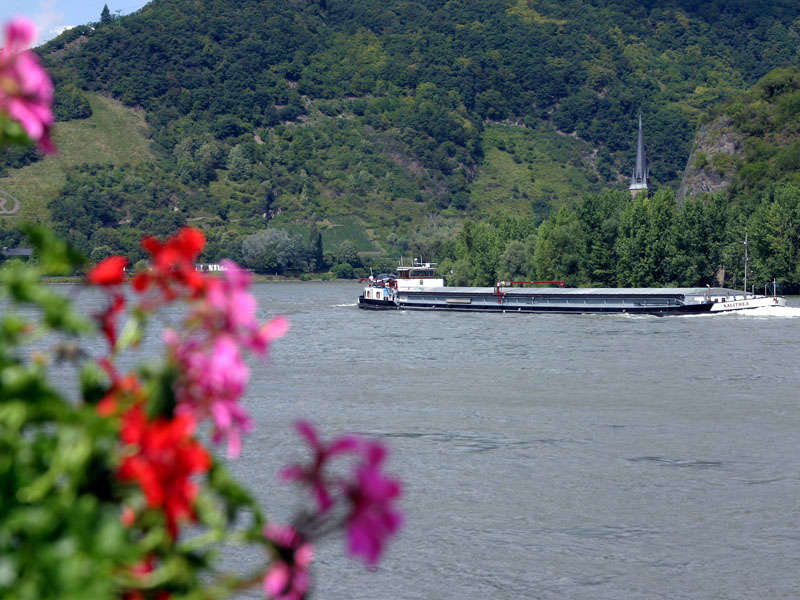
(641, 172)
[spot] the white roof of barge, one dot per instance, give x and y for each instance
(693, 291)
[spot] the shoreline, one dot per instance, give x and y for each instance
(71, 279)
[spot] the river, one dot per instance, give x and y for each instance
(547, 456)
(543, 456)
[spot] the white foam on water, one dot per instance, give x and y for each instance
(786, 312)
(790, 312)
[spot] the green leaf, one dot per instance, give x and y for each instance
(235, 496)
(94, 382)
(131, 334)
(159, 383)
(22, 282)
(56, 256)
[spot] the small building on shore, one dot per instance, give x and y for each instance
(210, 267)
(17, 252)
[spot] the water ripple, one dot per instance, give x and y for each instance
(678, 462)
(611, 532)
(480, 443)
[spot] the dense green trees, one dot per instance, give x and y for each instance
(645, 241)
(557, 252)
(775, 237)
(16, 157)
(70, 103)
(611, 240)
(275, 251)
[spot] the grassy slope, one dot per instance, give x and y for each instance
(524, 165)
(524, 169)
(113, 134)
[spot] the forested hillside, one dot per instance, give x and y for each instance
(395, 119)
(610, 240)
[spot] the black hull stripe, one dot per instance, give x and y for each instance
(370, 304)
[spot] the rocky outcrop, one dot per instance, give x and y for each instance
(713, 161)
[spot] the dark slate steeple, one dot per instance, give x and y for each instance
(641, 172)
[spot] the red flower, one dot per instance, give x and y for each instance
(164, 456)
(125, 391)
(173, 264)
(108, 318)
(110, 271)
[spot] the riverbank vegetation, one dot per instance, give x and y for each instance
(611, 240)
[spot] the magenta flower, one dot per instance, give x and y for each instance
(287, 577)
(314, 474)
(26, 92)
(373, 518)
(212, 381)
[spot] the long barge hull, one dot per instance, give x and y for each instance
(660, 303)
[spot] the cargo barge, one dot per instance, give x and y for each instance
(419, 288)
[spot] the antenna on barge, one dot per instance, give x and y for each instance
(745, 262)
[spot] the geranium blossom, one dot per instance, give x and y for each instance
(287, 577)
(162, 457)
(314, 474)
(110, 271)
(107, 319)
(213, 379)
(125, 391)
(373, 518)
(213, 374)
(172, 265)
(140, 570)
(26, 92)
(230, 309)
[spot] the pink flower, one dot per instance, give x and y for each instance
(373, 518)
(287, 578)
(213, 373)
(212, 382)
(314, 474)
(231, 309)
(26, 92)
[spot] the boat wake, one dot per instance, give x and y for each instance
(344, 305)
(790, 312)
(786, 312)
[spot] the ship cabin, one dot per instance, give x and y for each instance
(419, 276)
